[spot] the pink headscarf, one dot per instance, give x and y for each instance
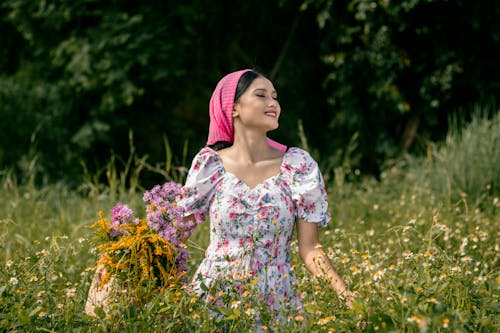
(221, 111)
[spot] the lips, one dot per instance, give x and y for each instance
(271, 113)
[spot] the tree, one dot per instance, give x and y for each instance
(398, 69)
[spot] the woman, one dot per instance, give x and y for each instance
(255, 191)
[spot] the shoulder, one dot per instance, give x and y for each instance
(206, 157)
(296, 156)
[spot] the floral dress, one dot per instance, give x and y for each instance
(251, 228)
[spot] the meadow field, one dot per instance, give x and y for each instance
(420, 246)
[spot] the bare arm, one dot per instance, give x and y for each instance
(318, 262)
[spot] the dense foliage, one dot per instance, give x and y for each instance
(77, 76)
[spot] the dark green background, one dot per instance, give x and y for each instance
(77, 76)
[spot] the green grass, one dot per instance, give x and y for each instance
(420, 248)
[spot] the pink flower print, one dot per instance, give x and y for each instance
(310, 207)
(270, 300)
(264, 214)
(226, 243)
(258, 265)
(218, 245)
(240, 242)
(232, 216)
(268, 243)
(302, 169)
(250, 243)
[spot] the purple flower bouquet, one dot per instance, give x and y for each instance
(141, 255)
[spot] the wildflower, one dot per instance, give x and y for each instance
(81, 240)
(40, 293)
(456, 269)
(120, 215)
(326, 320)
(466, 259)
(33, 278)
(250, 311)
(60, 305)
(70, 292)
(378, 274)
(235, 304)
(299, 317)
(420, 321)
(408, 255)
(13, 281)
(42, 314)
(8, 263)
(446, 323)
(196, 316)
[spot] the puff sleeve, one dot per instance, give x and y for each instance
(308, 189)
(197, 193)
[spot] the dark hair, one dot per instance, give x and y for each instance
(243, 83)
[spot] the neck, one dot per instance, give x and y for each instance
(251, 147)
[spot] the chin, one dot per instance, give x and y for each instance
(272, 128)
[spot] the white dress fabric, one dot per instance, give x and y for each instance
(251, 228)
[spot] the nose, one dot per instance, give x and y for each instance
(273, 102)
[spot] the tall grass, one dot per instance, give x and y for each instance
(420, 247)
(467, 164)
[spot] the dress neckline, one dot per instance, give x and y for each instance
(263, 182)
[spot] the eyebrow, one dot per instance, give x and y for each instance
(264, 89)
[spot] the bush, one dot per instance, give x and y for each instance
(466, 165)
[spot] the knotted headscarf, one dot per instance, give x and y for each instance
(221, 111)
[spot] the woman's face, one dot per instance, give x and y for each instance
(258, 107)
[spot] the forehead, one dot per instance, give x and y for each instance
(262, 83)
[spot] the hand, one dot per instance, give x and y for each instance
(348, 297)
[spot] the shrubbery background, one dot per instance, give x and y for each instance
(76, 77)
